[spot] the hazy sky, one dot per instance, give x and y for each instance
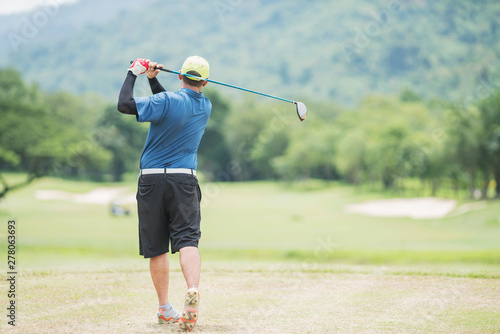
(19, 6)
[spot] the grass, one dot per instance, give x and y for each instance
(276, 258)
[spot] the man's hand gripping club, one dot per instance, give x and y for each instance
(141, 65)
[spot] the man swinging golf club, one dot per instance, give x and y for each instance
(168, 195)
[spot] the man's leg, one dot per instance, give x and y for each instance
(159, 273)
(191, 265)
(158, 266)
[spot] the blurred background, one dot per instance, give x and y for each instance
(403, 103)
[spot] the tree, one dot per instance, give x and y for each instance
(213, 153)
(123, 137)
(489, 110)
(309, 154)
(37, 140)
(464, 141)
(24, 131)
(77, 118)
(243, 126)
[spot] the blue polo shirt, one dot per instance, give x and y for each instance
(177, 123)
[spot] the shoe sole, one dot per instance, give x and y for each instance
(190, 315)
(162, 321)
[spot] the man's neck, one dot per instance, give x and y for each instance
(196, 89)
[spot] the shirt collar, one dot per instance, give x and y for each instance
(191, 92)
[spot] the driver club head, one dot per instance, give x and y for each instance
(301, 110)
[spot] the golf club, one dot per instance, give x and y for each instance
(301, 107)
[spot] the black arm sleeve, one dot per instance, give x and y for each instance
(156, 86)
(126, 103)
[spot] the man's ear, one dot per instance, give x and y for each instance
(180, 77)
(204, 83)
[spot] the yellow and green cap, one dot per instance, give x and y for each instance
(198, 64)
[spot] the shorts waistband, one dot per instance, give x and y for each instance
(168, 171)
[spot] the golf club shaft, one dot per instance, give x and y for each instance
(301, 107)
(224, 84)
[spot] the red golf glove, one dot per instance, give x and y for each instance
(139, 66)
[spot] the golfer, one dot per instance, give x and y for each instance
(168, 195)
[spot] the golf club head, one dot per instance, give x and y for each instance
(301, 110)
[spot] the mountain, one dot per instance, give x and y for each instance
(318, 50)
(49, 22)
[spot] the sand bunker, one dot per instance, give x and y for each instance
(102, 195)
(416, 208)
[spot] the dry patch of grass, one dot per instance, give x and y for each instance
(259, 298)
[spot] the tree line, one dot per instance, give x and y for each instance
(384, 140)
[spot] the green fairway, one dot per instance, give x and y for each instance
(253, 221)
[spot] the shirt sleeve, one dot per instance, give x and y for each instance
(152, 108)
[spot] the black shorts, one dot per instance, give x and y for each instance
(169, 210)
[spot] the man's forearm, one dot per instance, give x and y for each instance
(126, 102)
(156, 86)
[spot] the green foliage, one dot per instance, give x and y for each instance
(489, 110)
(383, 140)
(123, 137)
(25, 124)
(213, 153)
(309, 154)
(326, 49)
(408, 95)
(45, 134)
(244, 126)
